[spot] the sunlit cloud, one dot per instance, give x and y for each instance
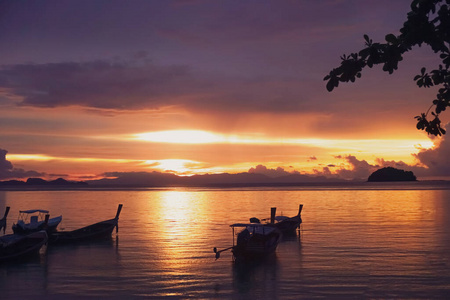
(207, 137)
(22, 157)
(41, 157)
(181, 137)
(179, 166)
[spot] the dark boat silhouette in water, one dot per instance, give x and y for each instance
(255, 241)
(288, 225)
(98, 230)
(15, 246)
(18, 246)
(3, 220)
(33, 220)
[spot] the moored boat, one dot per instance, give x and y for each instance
(34, 220)
(14, 246)
(288, 225)
(98, 230)
(254, 241)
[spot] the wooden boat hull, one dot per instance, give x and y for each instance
(14, 246)
(99, 230)
(289, 225)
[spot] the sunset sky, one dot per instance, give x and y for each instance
(91, 87)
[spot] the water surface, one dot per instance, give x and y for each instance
(369, 241)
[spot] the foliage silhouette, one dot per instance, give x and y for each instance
(428, 23)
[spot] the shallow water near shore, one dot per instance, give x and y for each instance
(368, 241)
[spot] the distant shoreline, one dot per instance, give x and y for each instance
(420, 184)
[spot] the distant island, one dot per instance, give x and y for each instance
(391, 174)
(245, 179)
(33, 182)
(223, 180)
(158, 179)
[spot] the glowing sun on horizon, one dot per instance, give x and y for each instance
(181, 137)
(179, 166)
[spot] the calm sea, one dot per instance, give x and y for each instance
(358, 241)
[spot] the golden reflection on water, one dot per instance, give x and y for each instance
(176, 206)
(177, 218)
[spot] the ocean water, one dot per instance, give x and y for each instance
(357, 241)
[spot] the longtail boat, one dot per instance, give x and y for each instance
(254, 241)
(95, 231)
(15, 246)
(18, 246)
(288, 225)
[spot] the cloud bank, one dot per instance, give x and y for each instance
(437, 159)
(433, 162)
(7, 171)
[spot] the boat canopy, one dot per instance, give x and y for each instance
(32, 211)
(248, 225)
(259, 228)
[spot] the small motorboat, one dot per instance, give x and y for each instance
(15, 246)
(98, 230)
(254, 241)
(34, 220)
(3, 220)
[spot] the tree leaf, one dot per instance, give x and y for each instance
(428, 23)
(366, 37)
(390, 38)
(330, 85)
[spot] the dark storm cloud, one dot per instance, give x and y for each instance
(99, 84)
(232, 56)
(7, 171)
(109, 21)
(140, 84)
(5, 166)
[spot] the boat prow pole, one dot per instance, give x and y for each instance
(3, 220)
(47, 217)
(6, 212)
(300, 209)
(119, 209)
(273, 211)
